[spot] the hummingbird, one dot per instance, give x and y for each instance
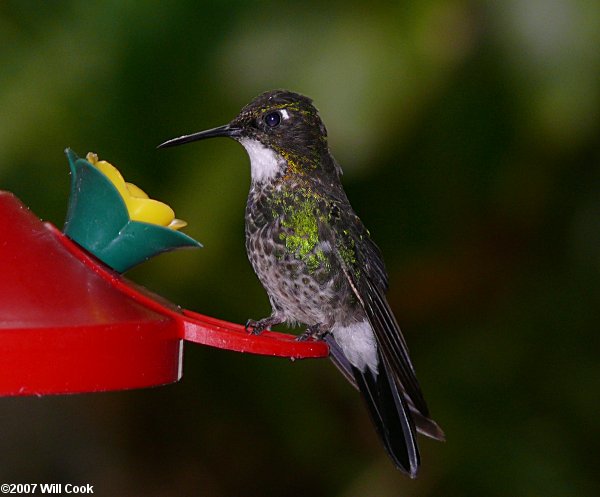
(319, 265)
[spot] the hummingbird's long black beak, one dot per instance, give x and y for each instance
(227, 130)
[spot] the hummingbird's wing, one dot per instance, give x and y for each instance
(365, 270)
(395, 355)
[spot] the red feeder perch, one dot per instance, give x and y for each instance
(69, 323)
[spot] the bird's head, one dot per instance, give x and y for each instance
(282, 133)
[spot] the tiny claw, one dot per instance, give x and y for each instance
(315, 333)
(255, 327)
(306, 336)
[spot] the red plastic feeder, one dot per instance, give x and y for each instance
(70, 324)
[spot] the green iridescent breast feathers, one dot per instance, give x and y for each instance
(308, 227)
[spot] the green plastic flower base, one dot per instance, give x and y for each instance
(97, 219)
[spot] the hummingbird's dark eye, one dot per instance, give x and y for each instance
(273, 119)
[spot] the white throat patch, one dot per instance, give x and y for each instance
(264, 162)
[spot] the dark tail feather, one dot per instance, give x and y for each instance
(391, 416)
(388, 409)
(339, 359)
(424, 425)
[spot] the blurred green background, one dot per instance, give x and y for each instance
(469, 136)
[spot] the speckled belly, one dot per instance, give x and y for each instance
(305, 293)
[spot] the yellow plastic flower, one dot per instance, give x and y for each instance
(139, 206)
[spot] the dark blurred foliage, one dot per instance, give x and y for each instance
(468, 132)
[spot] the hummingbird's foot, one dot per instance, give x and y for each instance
(314, 332)
(257, 327)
